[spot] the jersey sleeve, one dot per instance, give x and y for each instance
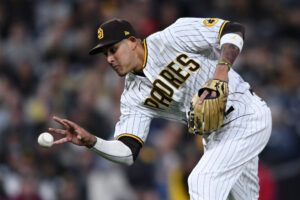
(133, 120)
(133, 124)
(196, 34)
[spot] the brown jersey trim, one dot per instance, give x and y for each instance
(132, 136)
(221, 29)
(146, 53)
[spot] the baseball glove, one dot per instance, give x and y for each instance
(209, 115)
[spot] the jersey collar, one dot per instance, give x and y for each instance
(145, 54)
(145, 58)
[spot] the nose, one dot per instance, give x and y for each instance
(110, 58)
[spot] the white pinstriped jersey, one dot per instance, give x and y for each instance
(178, 61)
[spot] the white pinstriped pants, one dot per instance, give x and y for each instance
(228, 169)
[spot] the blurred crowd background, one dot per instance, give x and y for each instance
(45, 70)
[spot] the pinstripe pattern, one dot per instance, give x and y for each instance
(230, 162)
(229, 165)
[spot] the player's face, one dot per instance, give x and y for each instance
(119, 56)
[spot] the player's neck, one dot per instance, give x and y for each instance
(140, 56)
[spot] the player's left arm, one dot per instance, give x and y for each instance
(231, 40)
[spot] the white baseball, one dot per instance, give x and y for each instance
(45, 139)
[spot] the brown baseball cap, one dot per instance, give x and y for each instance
(111, 32)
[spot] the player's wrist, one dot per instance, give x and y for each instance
(223, 64)
(91, 142)
(221, 73)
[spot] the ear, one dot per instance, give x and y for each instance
(133, 42)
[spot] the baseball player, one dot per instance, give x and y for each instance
(163, 73)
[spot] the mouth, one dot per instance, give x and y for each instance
(115, 67)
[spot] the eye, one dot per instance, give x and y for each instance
(113, 50)
(105, 51)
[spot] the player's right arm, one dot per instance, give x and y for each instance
(196, 35)
(123, 151)
(231, 40)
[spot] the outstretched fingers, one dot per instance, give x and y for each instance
(62, 140)
(77, 129)
(69, 123)
(59, 120)
(70, 131)
(59, 131)
(62, 122)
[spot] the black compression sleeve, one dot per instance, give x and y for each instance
(134, 145)
(232, 27)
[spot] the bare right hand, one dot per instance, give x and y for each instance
(73, 133)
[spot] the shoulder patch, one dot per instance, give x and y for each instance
(210, 22)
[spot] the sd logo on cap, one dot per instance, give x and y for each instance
(114, 31)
